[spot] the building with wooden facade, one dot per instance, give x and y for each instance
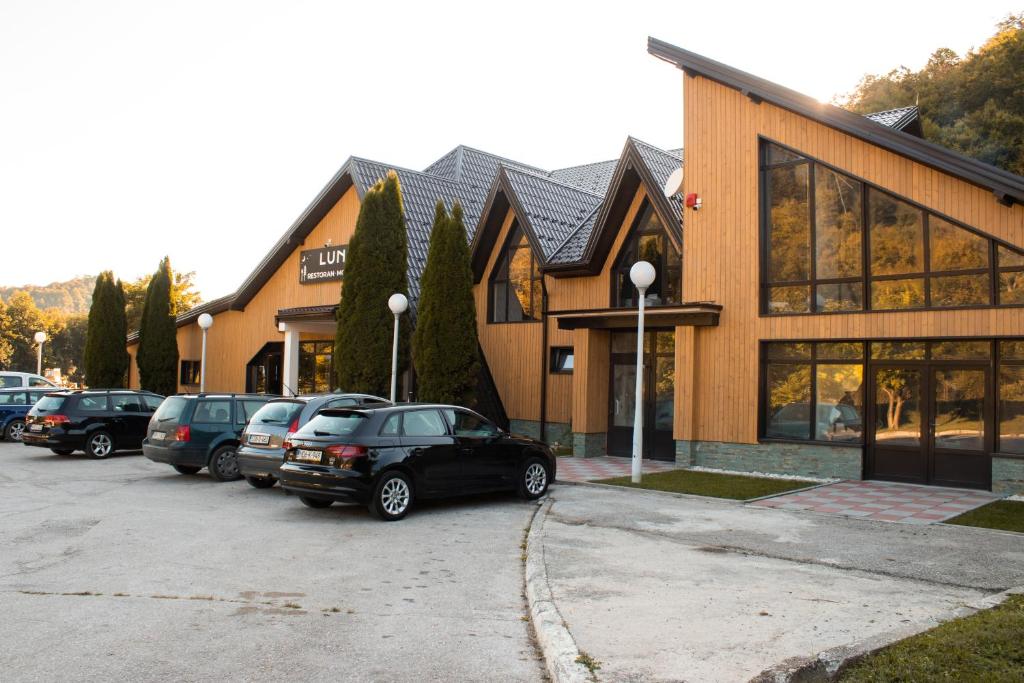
(836, 296)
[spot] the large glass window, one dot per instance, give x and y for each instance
(648, 241)
(1011, 397)
(814, 392)
(315, 367)
(516, 283)
(834, 243)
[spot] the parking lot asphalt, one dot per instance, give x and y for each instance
(122, 569)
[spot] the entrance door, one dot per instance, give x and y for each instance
(658, 394)
(931, 425)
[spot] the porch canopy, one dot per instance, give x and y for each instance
(701, 314)
(294, 321)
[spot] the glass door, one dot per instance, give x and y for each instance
(960, 427)
(658, 394)
(897, 444)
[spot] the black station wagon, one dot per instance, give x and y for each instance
(388, 457)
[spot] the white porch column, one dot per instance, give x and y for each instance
(290, 362)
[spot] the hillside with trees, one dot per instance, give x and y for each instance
(973, 104)
(72, 297)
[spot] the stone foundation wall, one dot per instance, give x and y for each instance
(589, 445)
(815, 460)
(557, 432)
(1007, 475)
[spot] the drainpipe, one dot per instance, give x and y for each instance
(543, 360)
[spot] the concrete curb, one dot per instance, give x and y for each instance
(553, 637)
(827, 665)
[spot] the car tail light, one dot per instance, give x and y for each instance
(183, 433)
(345, 455)
(287, 445)
(54, 420)
(292, 428)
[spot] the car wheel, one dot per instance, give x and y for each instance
(393, 497)
(533, 479)
(261, 482)
(14, 430)
(99, 445)
(186, 469)
(63, 451)
(224, 464)
(315, 502)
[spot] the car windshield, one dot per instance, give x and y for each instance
(47, 403)
(333, 424)
(277, 413)
(170, 409)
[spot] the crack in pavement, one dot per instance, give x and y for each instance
(750, 552)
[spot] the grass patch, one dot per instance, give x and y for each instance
(1007, 515)
(986, 646)
(734, 486)
(588, 661)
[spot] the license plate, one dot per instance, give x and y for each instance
(307, 456)
(259, 439)
(35, 428)
(158, 436)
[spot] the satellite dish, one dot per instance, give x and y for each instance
(674, 184)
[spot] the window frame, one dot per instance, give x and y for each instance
(194, 371)
(563, 352)
(505, 257)
(311, 350)
(992, 271)
(617, 266)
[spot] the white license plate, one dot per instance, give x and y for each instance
(307, 456)
(35, 428)
(158, 436)
(259, 439)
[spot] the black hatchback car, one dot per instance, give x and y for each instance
(98, 421)
(388, 457)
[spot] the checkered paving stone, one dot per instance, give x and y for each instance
(605, 467)
(884, 501)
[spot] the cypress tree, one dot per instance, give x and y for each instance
(375, 269)
(106, 358)
(158, 335)
(444, 345)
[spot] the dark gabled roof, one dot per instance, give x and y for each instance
(212, 307)
(561, 213)
(1007, 187)
(893, 118)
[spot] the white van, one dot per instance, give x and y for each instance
(23, 379)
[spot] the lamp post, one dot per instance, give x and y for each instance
(205, 322)
(40, 337)
(642, 274)
(399, 304)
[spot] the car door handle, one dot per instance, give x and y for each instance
(416, 451)
(465, 450)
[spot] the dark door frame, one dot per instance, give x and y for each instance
(927, 449)
(654, 447)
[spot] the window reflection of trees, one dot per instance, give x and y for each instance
(813, 208)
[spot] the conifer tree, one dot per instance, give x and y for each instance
(444, 345)
(375, 269)
(158, 335)
(106, 359)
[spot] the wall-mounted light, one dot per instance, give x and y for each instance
(693, 201)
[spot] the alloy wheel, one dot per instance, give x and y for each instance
(17, 429)
(100, 445)
(536, 478)
(394, 497)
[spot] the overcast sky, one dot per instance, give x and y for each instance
(130, 130)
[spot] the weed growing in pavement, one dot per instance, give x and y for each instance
(588, 661)
(292, 605)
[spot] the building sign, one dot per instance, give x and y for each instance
(322, 265)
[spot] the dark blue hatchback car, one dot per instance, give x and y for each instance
(14, 405)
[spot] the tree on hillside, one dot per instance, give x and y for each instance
(106, 358)
(67, 346)
(24, 319)
(157, 357)
(184, 296)
(972, 104)
(444, 345)
(375, 269)
(6, 338)
(70, 297)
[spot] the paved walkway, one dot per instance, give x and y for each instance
(883, 501)
(659, 588)
(605, 467)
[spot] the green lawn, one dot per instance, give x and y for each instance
(735, 486)
(987, 646)
(1007, 515)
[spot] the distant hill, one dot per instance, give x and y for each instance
(72, 296)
